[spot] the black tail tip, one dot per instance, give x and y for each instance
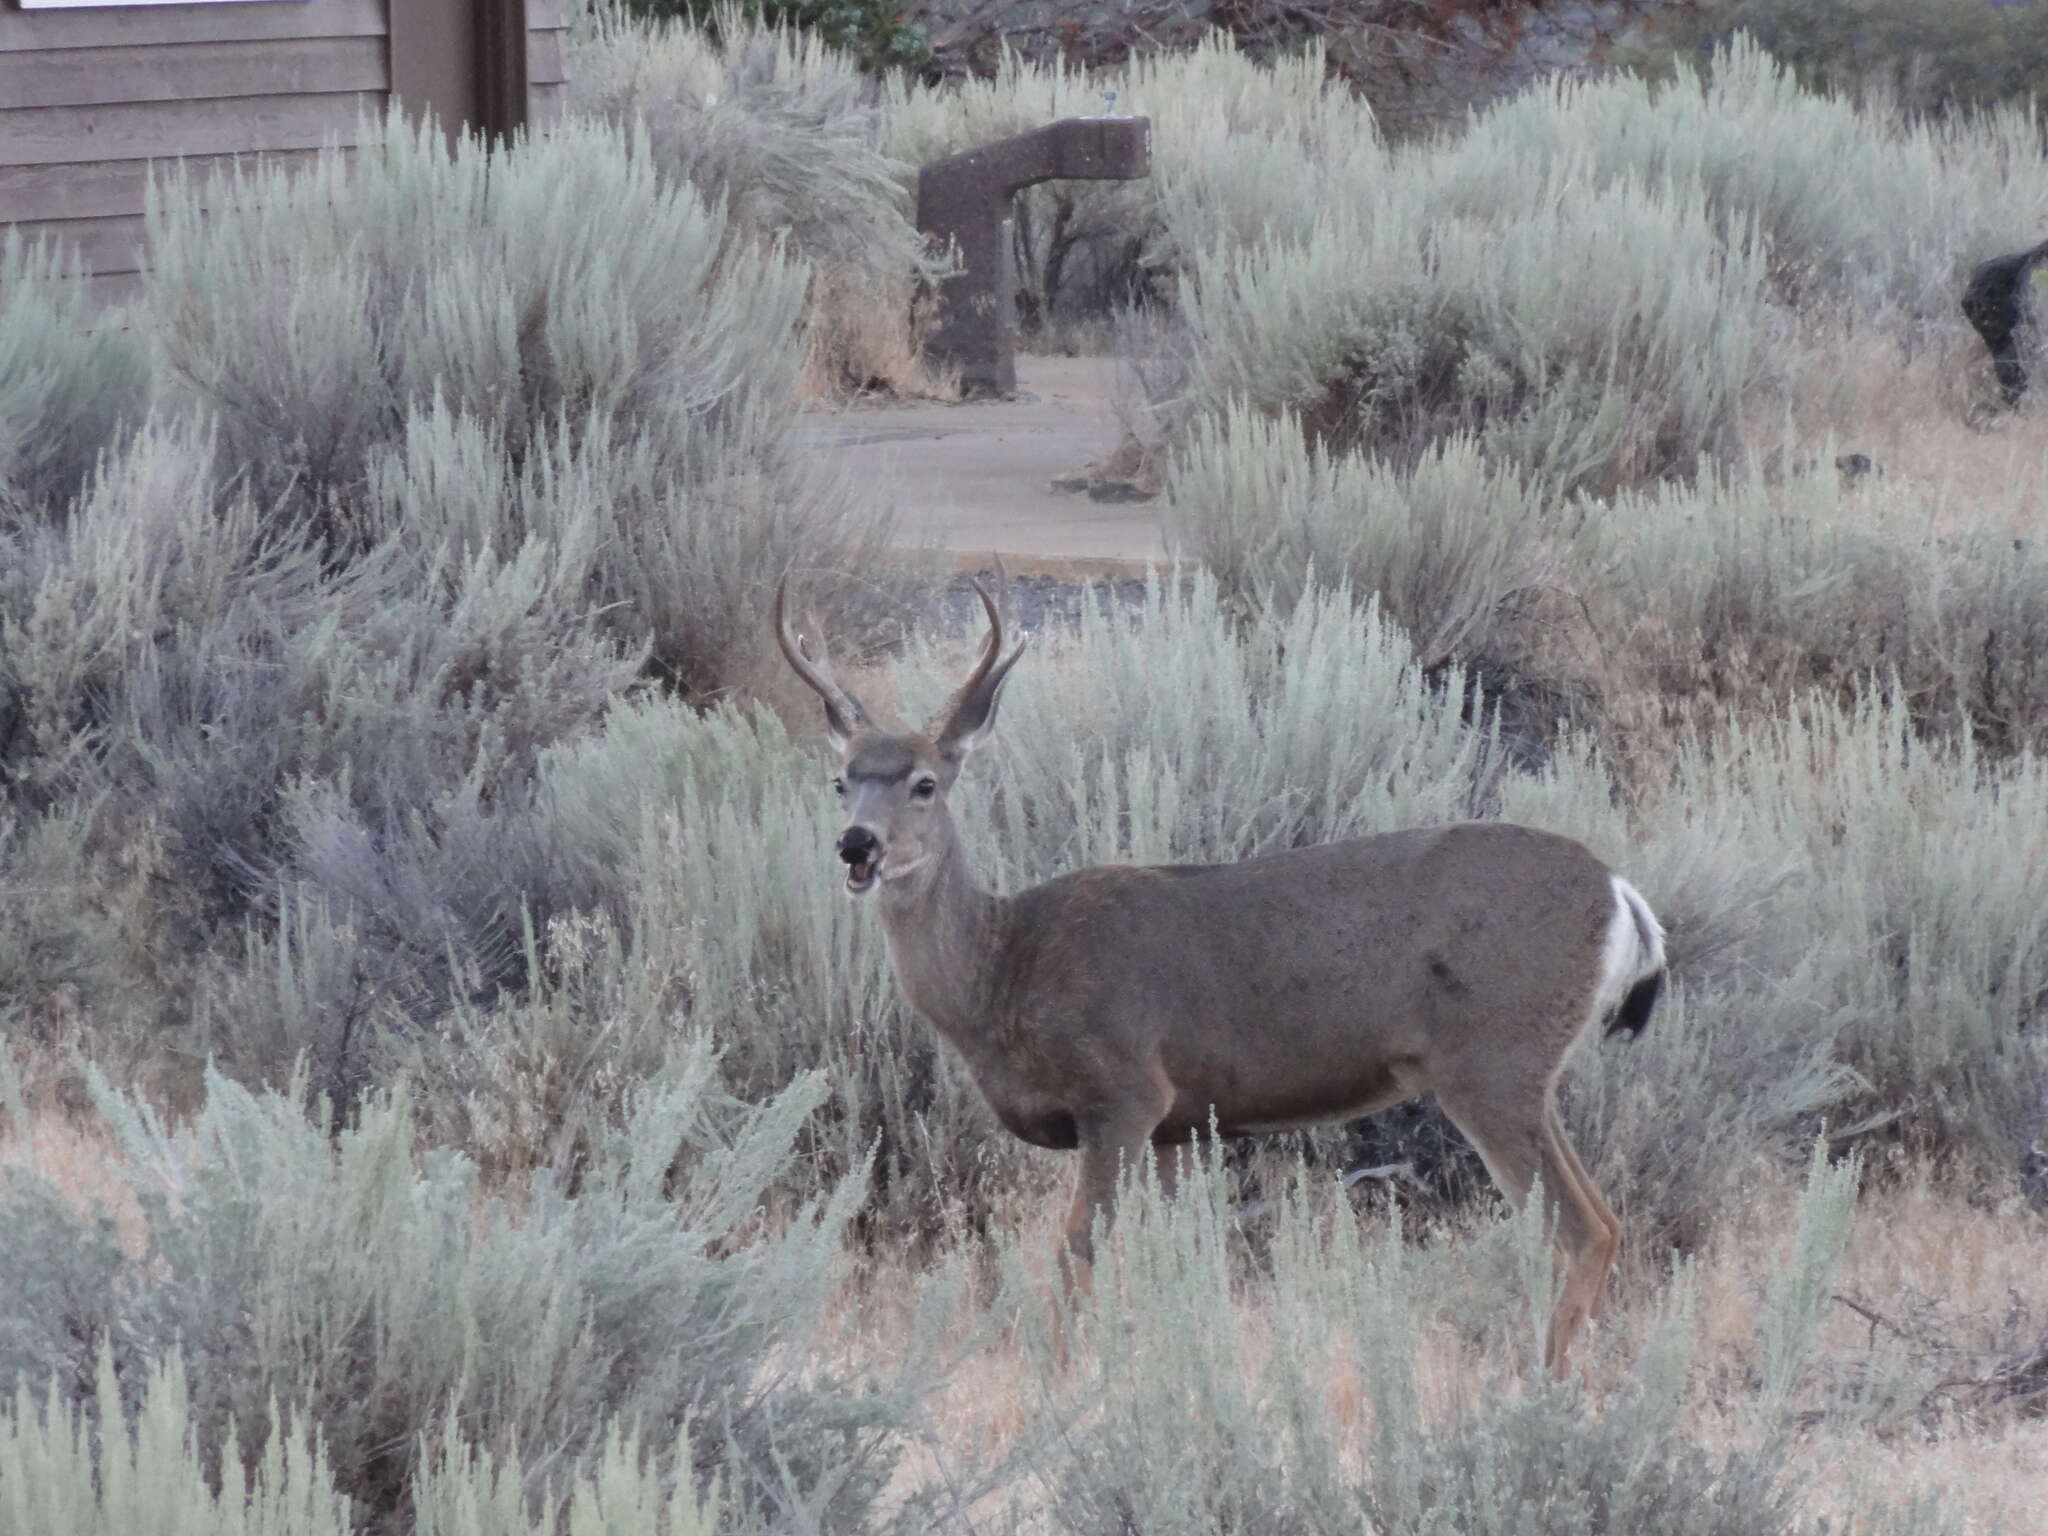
(1634, 1012)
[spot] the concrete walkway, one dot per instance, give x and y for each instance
(974, 479)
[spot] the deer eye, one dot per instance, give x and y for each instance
(925, 787)
(839, 788)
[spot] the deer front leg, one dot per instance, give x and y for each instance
(1102, 1164)
(1107, 1149)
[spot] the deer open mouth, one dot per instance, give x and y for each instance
(861, 877)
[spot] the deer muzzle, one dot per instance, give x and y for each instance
(861, 851)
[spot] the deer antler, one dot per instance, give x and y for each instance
(843, 712)
(973, 705)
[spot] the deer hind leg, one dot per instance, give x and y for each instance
(1591, 1265)
(1516, 1148)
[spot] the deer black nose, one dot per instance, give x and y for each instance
(857, 845)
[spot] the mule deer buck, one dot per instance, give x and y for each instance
(1121, 1007)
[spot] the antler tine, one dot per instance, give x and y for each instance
(991, 648)
(843, 712)
(973, 702)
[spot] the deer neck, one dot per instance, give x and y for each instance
(943, 936)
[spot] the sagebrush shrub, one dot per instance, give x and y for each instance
(1931, 57)
(113, 1468)
(1735, 587)
(74, 1471)
(1277, 1387)
(1590, 334)
(1855, 207)
(68, 386)
(1218, 116)
(785, 131)
(371, 1289)
(1452, 549)
(453, 450)
(426, 334)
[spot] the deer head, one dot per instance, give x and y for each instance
(894, 784)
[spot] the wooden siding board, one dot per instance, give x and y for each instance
(544, 59)
(100, 190)
(105, 288)
(30, 31)
(104, 245)
(545, 15)
(81, 77)
(137, 130)
(546, 104)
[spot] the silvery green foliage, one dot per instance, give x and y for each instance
(1856, 917)
(1799, 1290)
(1855, 205)
(375, 1289)
(466, 1491)
(452, 463)
(1808, 582)
(288, 731)
(1591, 279)
(70, 380)
(769, 120)
(1168, 737)
(1450, 547)
(560, 285)
(544, 354)
(1591, 333)
(1232, 137)
(1919, 935)
(1270, 1376)
(1228, 1397)
(67, 1471)
(115, 1468)
(1786, 584)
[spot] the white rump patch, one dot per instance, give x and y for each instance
(1634, 948)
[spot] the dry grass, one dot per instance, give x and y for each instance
(1926, 416)
(864, 339)
(75, 1154)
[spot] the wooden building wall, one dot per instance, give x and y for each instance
(88, 98)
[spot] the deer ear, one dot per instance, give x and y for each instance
(972, 713)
